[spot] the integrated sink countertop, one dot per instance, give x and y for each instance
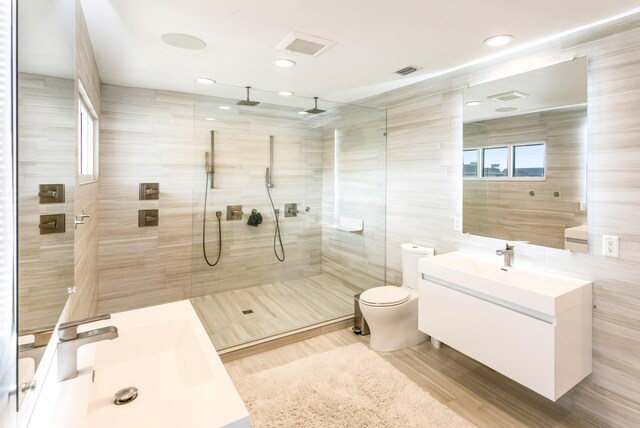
(541, 292)
(163, 351)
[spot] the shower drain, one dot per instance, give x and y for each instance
(125, 395)
(247, 311)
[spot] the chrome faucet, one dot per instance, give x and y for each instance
(71, 340)
(508, 254)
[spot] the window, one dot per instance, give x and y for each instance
(528, 160)
(88, 138)
(495, 162)
(522, 161)
(470, 163)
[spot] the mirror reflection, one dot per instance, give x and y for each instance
(524, 157)
(46, 171)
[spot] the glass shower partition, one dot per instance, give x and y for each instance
(324, 213)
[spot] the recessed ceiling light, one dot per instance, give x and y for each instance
(506, 109)
(500, 40)
(209, 118)
(285, 93)
(472, 103)
(302, 112)
(284, 63)
(224, 107)
(205, 81)
(183, 41)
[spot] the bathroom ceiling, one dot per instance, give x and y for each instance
(373, 39)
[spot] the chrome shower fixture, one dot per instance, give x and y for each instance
(269, 172)
(208, 159)
(248, 102)
(316, 110)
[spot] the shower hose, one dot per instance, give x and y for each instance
(276, 234)
(204, 228)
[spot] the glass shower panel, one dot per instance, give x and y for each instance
(354, 196)
(251, 293)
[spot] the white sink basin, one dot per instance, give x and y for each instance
(165, 353)
(544, 293)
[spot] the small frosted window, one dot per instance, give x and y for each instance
(88, 144)
(470, 163)
(495, 162)
(528, 160)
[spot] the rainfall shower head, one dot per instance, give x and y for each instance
(248, 102)
(315, 110)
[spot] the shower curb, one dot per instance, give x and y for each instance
(283, 339)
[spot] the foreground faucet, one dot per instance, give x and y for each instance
(71, 340)
(508, 255)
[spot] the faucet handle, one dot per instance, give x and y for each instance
(509, 247)
(69, 330)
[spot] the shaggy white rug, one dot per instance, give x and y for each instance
(346, 387)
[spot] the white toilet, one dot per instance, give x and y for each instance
(392, 312)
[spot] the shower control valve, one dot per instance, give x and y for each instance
(234, 212)
(291, 210)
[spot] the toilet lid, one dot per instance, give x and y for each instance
(384, 296)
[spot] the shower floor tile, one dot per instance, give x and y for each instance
(276, 308)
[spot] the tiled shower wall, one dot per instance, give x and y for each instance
(149, 136)
(354, 161)
(46, 155)
(145, 136)
(241, 158)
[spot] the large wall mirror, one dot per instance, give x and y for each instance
(524, 157)
(46, 170)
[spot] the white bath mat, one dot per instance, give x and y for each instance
(346, 387)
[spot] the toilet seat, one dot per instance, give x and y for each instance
(387, 295)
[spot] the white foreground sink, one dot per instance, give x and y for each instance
(532, 327)
(164, 352)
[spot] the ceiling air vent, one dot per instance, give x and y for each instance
(508, 96)
(304, 44)
(408, 70)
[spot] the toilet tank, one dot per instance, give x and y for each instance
(411, 253)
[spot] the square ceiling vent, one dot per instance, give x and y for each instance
(304, 44)
(508, 96)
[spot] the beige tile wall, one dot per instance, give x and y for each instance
(241, 158)
(84, 302)
(46, 155)
(149, 136)
(424, 179)
(354, 159)
(146, 136)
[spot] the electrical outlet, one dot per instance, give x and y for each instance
(457, 223)
(611, 246)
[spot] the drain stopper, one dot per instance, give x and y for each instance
(125, 395)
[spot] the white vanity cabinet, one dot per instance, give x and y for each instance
(533, 328)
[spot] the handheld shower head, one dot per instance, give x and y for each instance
(248, 102)
(316, 110)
